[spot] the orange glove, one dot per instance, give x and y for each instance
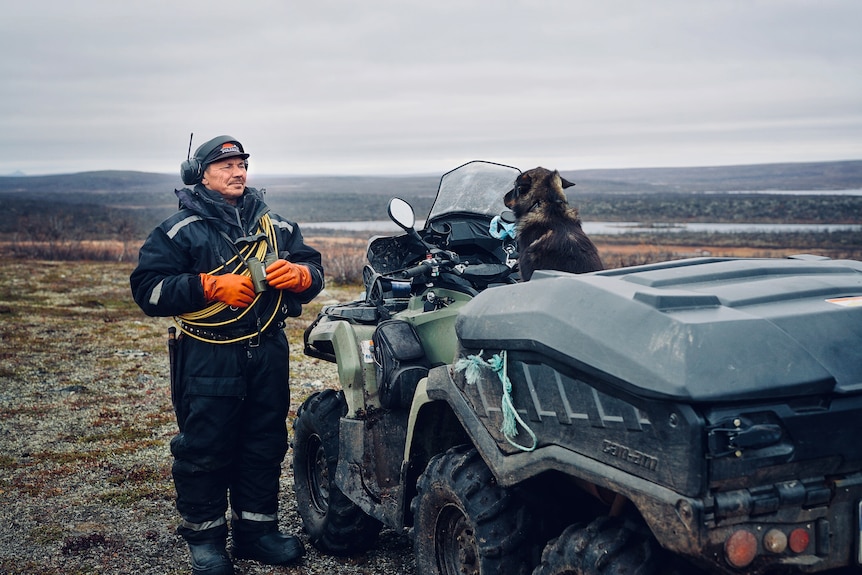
(233, 289)
(282, 274)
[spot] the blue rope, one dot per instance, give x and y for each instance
(472, 366)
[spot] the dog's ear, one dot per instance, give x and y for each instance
(563, 181)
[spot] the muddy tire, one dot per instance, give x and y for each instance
(464, 523)
(335, 525)
(604, 547)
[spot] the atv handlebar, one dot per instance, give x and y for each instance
(439, 259)
(480, 275)
(416, 270)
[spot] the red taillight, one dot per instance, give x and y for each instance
(799, 539)
(740, 549)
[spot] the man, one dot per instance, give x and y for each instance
(230, 373)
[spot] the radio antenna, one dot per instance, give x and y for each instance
(189, 155)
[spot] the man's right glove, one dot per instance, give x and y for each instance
(233, 289)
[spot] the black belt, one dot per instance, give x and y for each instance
(228, 335)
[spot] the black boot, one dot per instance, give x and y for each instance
(261, 541)
(210, 558)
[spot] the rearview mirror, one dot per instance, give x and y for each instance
(402, 213)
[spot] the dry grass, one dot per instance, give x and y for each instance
(85, 421)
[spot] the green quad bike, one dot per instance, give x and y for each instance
(702, 415)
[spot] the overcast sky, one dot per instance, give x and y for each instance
(402, 86)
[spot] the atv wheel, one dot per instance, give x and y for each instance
(604, 547)
(464, 523)
(334, 524)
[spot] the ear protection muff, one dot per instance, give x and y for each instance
(192, 169)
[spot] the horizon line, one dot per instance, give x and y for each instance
(21, 174)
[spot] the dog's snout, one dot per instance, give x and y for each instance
(509, 198)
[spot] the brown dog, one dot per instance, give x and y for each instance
(549, 230)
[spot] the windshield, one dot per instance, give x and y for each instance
(476, 187)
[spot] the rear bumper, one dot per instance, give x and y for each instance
(695, 524)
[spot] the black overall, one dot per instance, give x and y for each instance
(231, 399)
(232, 404)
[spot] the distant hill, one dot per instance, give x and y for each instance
(846, 175)
(790, 176)
(143, 199)
(87, 182)
(120, 189)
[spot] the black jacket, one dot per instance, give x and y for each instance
(166, 281)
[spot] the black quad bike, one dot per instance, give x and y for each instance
(694, 415)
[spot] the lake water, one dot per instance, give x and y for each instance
(795, 192)
(615, 228)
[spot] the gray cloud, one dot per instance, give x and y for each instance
(393, 86)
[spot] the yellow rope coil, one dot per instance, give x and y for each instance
(236, 265)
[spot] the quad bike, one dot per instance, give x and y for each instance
(701, 414)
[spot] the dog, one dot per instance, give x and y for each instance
(549, 232)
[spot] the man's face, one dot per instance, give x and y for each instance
(227, 177)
